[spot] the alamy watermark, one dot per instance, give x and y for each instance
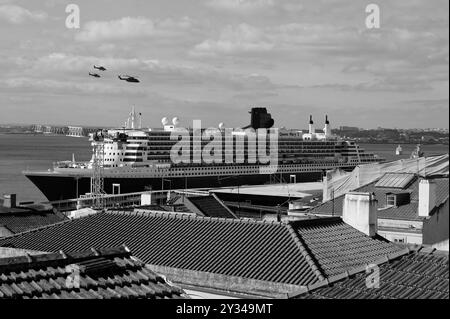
(226, 146)
(73, 278)
(373, 277)
(373, 17)
(73, 19)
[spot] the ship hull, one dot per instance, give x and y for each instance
(61, 187)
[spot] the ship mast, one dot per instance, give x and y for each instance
(97, 179)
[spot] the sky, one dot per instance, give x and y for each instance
(215, 59)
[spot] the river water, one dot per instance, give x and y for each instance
(20, 152)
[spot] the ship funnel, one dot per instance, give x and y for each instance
(327, 129)
(311, 127)
(260, 118)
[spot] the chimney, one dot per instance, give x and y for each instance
(9, 201)
(360, 212)
(427, 197)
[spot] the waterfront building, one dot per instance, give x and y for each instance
(411, 209)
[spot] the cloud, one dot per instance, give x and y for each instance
(247, 7)
(133, 27)
(235, 39)
(60, 72)
(390, 59)
(429, 103)
(398, 83)
(16, 15)
(62, 62)
(66, 87)
(241, 6)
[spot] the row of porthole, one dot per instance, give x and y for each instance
(239, 170)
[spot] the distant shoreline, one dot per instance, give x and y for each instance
(39, 134)
(401, 143)
(359, 142)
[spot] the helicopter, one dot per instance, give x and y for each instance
(95, 75)
(101, 68)
(128, 78)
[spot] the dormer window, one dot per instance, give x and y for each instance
(391, 200)
(397, 199)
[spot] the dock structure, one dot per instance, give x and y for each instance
(73, 131)
(110, 201)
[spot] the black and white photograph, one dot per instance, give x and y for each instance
(215, 157)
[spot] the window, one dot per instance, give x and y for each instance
(391, 200)
(399, 240)
(116, 189)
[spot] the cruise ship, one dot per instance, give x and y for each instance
(134, 159)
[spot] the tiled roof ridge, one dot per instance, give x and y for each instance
(351, 272)
(192, 216)
(15, 262)
(316, 221)
(146, 213)
(6, 227)
(322, 204)
(426, 250)
(306, 253)
(439, 205)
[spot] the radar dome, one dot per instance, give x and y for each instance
(165, 121)
(221, 126)
(175, 121)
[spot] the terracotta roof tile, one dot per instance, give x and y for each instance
(112, 274)
(299, 253)
(337, 246)
(27, 220)
(411, 276)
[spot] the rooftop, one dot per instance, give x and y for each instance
(407, 211)
(338, 247)
(421, 273)
(209, 206)
(295, 253)
(91, 274)
(21, 219)
(395, 180)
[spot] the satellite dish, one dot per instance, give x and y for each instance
(175, 121)
(221, 126)
(165, 121)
